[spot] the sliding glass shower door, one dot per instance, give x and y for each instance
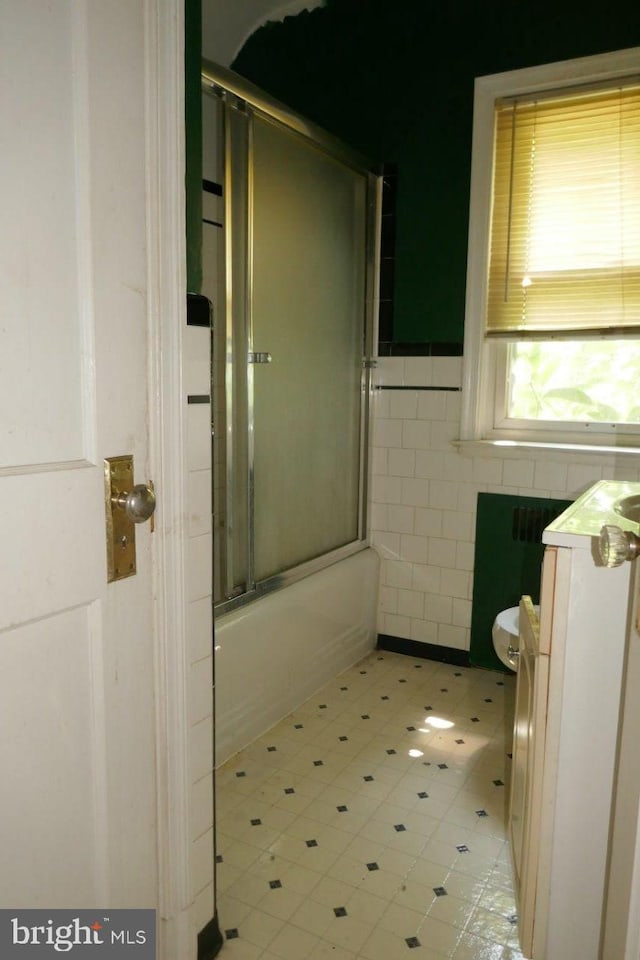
(301, 216)
(308, 314)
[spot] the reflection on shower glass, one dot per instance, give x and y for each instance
(308, 312)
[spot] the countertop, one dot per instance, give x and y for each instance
(583, 520)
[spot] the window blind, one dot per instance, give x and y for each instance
(565, 229)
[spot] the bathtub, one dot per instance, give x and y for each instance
(274, 653)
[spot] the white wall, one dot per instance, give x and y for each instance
(424, 496)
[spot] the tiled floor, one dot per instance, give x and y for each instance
(370, 824)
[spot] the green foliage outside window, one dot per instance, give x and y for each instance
(576, 381)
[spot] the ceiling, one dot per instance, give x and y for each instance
(226, 24)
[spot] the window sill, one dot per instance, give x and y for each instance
(571, 452)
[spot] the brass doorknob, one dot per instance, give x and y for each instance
(139, 503)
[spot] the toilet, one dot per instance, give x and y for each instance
(505, 633)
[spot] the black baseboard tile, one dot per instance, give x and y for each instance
(210, 940)
(198, 310)
(385, 386)
(388, 348)
(424, 651)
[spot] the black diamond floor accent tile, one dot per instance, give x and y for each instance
(379, 658)
(297, 726)
(318, 763)
(311, 843)
(426, 763)
(368, 778)
(442, 766)
(362, 673)
(289, 790)
(498, 783)
(482, 813)
(256, 822)
(457, 674)
(499, 683)
(488, 700)
(342, 808)
(475, 719)
(384, 698)
(429, 708)
(417, 666)
(402, 681)
(271, 749)
(372, 866)
(410, 729)
(440, 891)
(412, 942)
(322, 706)
(459, 741)
(275, 884)
(399, 827)
(462, 848)
(423, 795)
(365, 716)
(232, 934)
(391, 752)
(342, 739)
(240, 773)
(444, 690)
(344, 688)
(340, 911)
(219, 858)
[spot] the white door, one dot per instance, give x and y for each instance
(83, 768)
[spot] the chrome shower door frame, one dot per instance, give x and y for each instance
(241, 103)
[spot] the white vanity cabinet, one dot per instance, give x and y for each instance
(569, 735)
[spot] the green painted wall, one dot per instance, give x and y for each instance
(507, 563)
(395, 79)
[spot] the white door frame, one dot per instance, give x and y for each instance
(167, 404)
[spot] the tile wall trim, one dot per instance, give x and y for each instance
(209, 186)
(388, 348)
(425, 651)
(210, 940)
(198, 310)
(416, 387)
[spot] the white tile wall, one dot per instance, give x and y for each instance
(424, 496)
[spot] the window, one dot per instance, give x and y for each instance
(552, 336)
